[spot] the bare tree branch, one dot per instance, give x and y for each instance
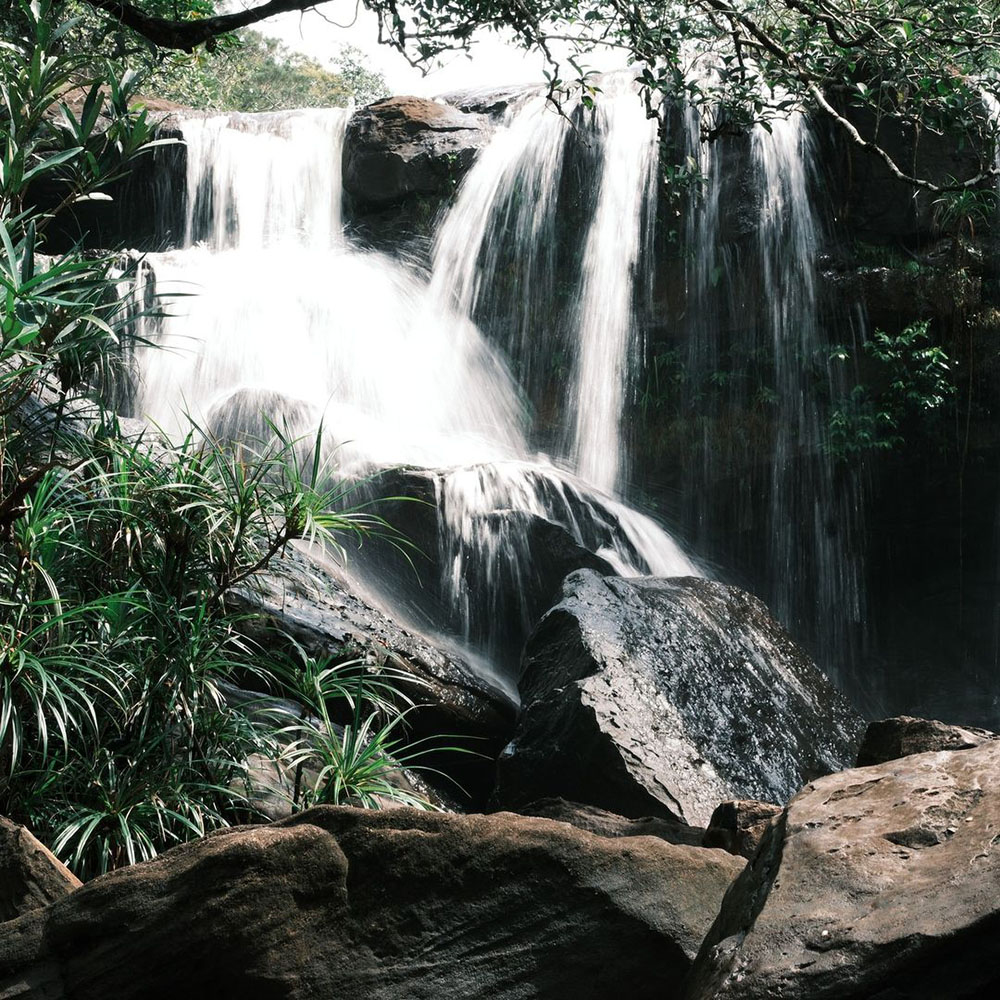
(188, 35)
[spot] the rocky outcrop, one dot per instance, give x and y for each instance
(873, 203)
(490, 101)
(409, 145)
(739, 827)
(608, 824)
(877, 882)
(397, 905)
(903, 736)
(665, 697)
(467, 531)
(31, 876)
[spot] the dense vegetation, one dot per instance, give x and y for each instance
(260, 74)
(117, 552)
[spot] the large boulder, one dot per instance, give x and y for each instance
(877, 882)
(665, 697)
(399, 905)
(31, 876)
(903, 736)
(409, 145)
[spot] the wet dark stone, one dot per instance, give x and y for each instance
(404, 146)
(889, 739)
(664, 697)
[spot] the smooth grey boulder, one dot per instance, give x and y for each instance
(665, 697)
(409, 145)
(31, 876)
(879, 882)
(903, 736)
(398, 905)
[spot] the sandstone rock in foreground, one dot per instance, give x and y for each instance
(665, 697)
(877, 882)
(398, 905)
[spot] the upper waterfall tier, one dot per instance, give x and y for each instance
(259, 180)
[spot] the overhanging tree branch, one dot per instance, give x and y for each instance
(804, 47)
(188, 35)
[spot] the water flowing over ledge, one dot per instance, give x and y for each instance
(275, 316)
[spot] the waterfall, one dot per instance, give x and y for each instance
(497, 254)
(757, 360)
(273, 314)
(245, 189)
(806, 535)
(606, 341)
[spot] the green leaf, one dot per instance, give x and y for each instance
(66, 156)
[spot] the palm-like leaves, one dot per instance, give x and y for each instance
(116, 739)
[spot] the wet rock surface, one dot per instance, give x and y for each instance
(324, 614)
(490, 101)
(341, 902)
(665, 697)
(30, 875)
(889, 739)
(877, 882)
(509, 563)
(409, 145)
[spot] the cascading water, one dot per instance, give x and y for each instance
(605, 320)
(243, 189)
(806, 533)
(286, 320)
(508, 216)
(756, 360)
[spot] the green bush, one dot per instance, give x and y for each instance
(117, 554)
(257, 73)
(908, 376)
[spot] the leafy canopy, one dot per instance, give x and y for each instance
(924, 64)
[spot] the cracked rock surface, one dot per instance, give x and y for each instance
(664, 697)
(877, 882)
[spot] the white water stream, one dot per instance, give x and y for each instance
(274, 311)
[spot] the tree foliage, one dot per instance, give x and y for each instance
(261, 74)
(924, 64)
